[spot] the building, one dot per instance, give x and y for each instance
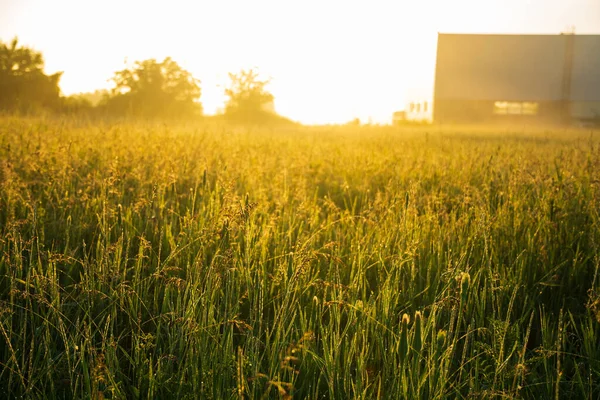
(493, 78)
(398, 117)
(419, 110)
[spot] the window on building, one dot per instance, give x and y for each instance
(515, 108)
(418, 107)
(501, 107)
(425, 106)
(530, 108)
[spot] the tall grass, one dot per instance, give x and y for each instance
(162, 261)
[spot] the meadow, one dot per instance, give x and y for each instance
(157, 261)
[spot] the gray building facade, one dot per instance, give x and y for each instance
(492, 78)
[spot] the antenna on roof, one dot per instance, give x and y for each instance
(569, 30)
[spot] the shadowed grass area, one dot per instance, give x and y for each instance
(172, 261)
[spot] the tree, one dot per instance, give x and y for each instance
(23, 84)
(248, 101)
(153, 89)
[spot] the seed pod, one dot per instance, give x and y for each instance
(403, 351)
(417, 340)
(465, 282)
(440, 341)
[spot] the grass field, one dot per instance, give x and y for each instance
(159, 261)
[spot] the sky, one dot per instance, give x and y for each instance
(329, 61)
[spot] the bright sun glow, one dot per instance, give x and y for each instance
(330, 61)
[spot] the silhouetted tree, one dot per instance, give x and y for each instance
(153, 89)
(23, 84)
(248, 101)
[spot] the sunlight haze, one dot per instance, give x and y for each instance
(330, 61)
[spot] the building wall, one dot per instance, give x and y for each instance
(585, 85)
(482, 111)
(475, 71)
(500, 67)
(585, 109)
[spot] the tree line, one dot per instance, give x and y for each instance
(147, 89)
